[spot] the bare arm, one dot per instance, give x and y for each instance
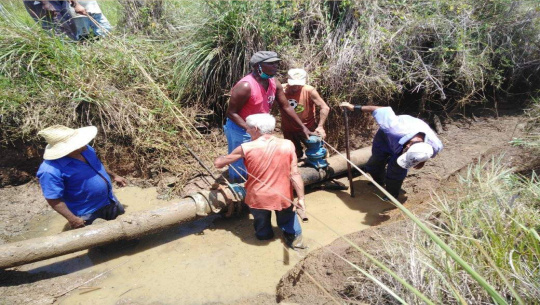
(367, 109)
(235, 155)
(323, 112)
(297, 182)
(239, 97)
(59, 206)
(284, 105)
(120, 181)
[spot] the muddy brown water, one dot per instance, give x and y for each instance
(211, 260)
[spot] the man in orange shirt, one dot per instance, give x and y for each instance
(272, 174)
(303, 98)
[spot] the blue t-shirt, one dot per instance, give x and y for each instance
(84, 187)
(399, 129)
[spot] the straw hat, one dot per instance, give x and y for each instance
(62, 140)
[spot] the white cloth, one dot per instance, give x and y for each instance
(401, 128)
(91, 7)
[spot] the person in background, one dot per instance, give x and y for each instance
(95, 22)
(54, 15)
(402, 142)
(303, 98)
(255, 93)
(74, 181)
(272, 175)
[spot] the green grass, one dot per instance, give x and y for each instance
(143, 85)
(492, 221)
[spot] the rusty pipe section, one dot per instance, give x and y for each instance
(127, 226)
(135, 225)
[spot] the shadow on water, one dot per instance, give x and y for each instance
(368, 200)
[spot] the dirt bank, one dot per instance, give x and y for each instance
(464, 144)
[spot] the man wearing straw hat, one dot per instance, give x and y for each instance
(272, 174)
(402, 142)
(74, 181)
(255, 93)
(303, 98)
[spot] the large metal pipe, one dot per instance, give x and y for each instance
(143, 223)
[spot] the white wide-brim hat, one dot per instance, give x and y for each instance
(63, 140)
(417, 153)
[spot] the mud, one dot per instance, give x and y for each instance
(464, 144)
(217, 260)
(213, 260)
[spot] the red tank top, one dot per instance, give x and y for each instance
(261, 100)
(269, 159)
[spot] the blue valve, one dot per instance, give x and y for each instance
(315, 152)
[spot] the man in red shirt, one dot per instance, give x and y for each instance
(272, 174)
(255, 93)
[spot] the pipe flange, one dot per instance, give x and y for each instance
(201, 204)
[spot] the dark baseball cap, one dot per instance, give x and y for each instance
(263, 56)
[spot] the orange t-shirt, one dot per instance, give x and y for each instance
(269, 160)
(303, 106)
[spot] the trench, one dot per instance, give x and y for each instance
(211, 260)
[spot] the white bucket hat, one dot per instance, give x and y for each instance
(417, 153)
(62, 140)
(297, 77)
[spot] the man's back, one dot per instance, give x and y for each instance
(268, 162)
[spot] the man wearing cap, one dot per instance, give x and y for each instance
(255, 93)
(74, 181)
(273, 174)
(401, 142)
(303, 98)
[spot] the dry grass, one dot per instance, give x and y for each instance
(490, 221)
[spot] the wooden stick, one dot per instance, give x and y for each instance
(348, 150)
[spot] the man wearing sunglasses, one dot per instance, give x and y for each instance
(402, 142)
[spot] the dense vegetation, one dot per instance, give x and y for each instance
(169, 60)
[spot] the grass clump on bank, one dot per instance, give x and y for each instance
(492, 221)
(166, 61)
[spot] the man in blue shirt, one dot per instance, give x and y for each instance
(401, 142)
(74, 181)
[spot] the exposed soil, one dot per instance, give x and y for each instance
(465, 142)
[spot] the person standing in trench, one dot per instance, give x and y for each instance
(272, 175)
(74, 181)
(253, 94)
(402, 142)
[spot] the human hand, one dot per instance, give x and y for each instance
(76, 223)
(308, 133)
(120, 181)
(300, 204)
(79, 9)
(346, 105)
(45, 5)
(320, 131)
